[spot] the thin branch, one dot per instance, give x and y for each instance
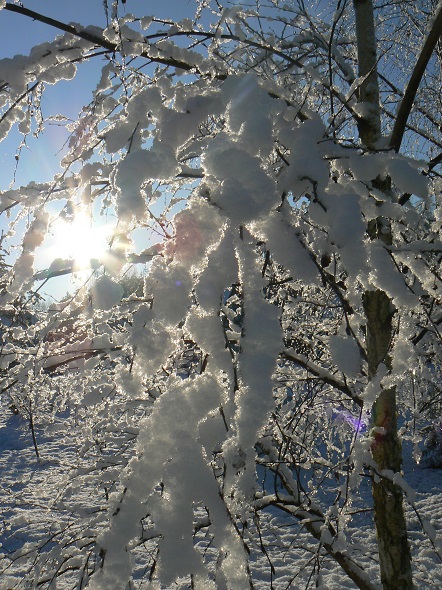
(100, 41)
(92, 38)
(311, 517)
(322, 374)
(415, 80)
(18, 101)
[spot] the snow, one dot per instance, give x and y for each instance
(12, 71)
(36, 516)
(52, 75)
(366, 167)
(137, 167)
(241, 373)
(347, 230)
(283, 237)
(179, 124)
(308, 172)
(218, 275)
(261, 343)
(386, 277)
(207, 330)
(106, 293)
(374, 387)
(170, 286)
(236, 181)
(404, 172)
(253, 125)
(406, 176)
(177, 451)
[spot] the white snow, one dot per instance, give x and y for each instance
(159, 162)
(106, 293)
(37, 515)
(211, 432)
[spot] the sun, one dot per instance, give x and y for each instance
(80, 240)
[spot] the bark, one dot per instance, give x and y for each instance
(96, 39)
(391, 530)
(406, 105)
(312, 518)
(369, 124)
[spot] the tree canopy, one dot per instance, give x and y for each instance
(276, 169)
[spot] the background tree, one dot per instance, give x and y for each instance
(288, 313)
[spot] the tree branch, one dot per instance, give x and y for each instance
(322, 374)
(91, 37)
(100, 41)
(414, 82)
(311, 517)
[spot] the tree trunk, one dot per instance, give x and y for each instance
(369, 123)
(394, 551)
(391, 530)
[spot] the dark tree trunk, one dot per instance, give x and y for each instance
(391, 530)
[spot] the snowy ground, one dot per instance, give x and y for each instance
(28, 515)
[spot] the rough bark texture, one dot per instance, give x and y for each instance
(391, 530)
(394, 551)
(369, 124)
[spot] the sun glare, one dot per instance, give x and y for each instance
(80, 240)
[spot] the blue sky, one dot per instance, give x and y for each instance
(19, 34)
(40, 159)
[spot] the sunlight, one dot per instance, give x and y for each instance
(80, 240)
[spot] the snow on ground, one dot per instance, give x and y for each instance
(28, 514)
